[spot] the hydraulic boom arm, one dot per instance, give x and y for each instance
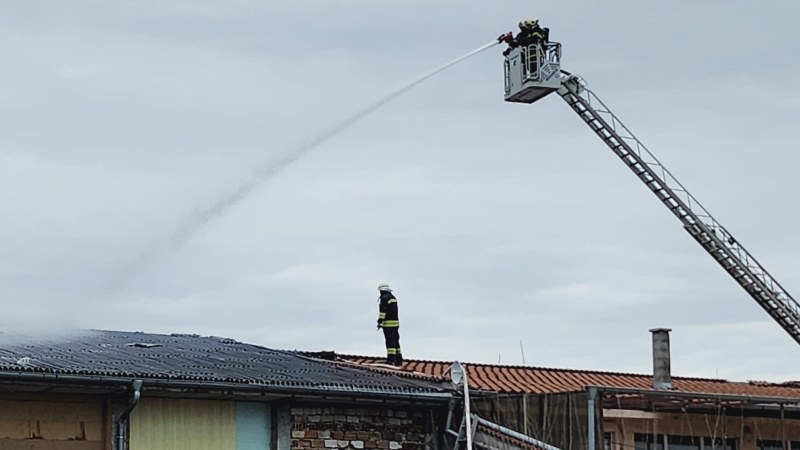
(709, 233)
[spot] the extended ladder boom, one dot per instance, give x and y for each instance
(709, 233)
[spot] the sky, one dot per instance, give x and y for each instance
(509, 232)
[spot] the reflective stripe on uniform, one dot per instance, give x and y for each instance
(391, 323)
(394, 300)
(391, 351)
(381, 315)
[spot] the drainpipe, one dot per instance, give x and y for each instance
(122, 420)
(591, 393)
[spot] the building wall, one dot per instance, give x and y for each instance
(701, 425)
(181, 424)
(361, 429)
(33, 421)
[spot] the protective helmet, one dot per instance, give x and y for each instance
(528, 23)
(384, 287)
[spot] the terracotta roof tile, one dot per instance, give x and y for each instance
(542, 380)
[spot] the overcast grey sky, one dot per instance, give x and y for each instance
(496, 223)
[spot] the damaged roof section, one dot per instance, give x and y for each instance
(194, 359)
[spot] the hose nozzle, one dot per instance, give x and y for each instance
(505, 37)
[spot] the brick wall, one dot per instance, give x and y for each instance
(360, 429)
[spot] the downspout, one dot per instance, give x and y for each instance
(122, 420)
(591, 393)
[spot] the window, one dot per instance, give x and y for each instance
(719, 444)
(608, 441)
(648, 441)
(683, 443)
(675, 442)
(766, 444)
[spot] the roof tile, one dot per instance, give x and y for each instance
(542, 380)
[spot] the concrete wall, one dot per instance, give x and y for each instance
(48, 422)
(361, 428)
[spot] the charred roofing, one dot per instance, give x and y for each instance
(188, 360)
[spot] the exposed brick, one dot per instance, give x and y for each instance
(394, 445)
(352, 419)
(305, 443)
(317, 443)
(350, 435)
(313, 418)
(363, 435)
(383, 444)
(371, 444)
(417, 414)
(401, 414)
(324, 434)
(331, 443)
(337, 435)
(343, 444)
(298, 434)
(311, 433)
(412, 437)
(393, 421)
(357, 444)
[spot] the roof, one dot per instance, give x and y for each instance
(542, 380)
(194, 360)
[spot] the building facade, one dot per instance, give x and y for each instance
(105, 390)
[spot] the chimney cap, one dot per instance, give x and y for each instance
(658, 330)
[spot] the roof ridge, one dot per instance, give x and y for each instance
(543, 368)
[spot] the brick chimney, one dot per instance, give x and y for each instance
(662, 376)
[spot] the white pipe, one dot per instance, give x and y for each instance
(467, 414)
(591, 394)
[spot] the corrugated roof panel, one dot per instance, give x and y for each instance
(192, 358)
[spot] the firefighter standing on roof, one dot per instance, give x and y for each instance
(389, 321)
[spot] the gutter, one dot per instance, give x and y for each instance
(122, 420)
(686, 394)
(225, 386)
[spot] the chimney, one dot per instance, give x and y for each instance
(662, 377)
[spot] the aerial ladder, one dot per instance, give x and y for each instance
(533, 72)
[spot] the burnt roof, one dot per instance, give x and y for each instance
(192, 359)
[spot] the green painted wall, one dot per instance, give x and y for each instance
(178, 424)
(252, 426)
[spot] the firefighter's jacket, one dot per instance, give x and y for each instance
(387, 311)
(536, 35)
